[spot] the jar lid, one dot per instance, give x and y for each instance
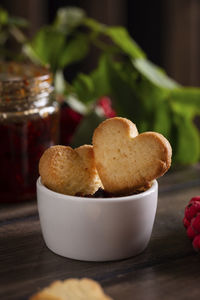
(20, 81)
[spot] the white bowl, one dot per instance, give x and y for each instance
(96, 229)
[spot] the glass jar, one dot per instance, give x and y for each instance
(29, 121)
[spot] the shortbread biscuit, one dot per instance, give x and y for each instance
(72, 289)
(126, 161)
(69, 171)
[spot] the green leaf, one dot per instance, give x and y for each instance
(187, 146)
(76, 105)
(19, 22)
(162, 118)
(187, 111)
(133, 97)
(31, 54)
(154, 105)
(74, 50)
(49, 47)
(100, 78)
(46, 47)
(121, 37)
(126, 101)
(84, 88)
(94, 25)
(68, 18)
(84, 133)
(188, 97)
(150, 95)
(154, 74)
(4, 17)
(59, 82)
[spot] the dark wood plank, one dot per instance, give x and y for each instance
(168, 268)
(174, 280)
(12, 211)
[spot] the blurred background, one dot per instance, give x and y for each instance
(167, 30)
(144, 66)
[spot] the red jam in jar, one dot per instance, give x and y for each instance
(29, 121)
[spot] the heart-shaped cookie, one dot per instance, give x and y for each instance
(69, 171)
(125, 160)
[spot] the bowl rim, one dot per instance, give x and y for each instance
(44, 189)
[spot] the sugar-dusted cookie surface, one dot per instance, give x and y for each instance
(69, 171)
(72, 289)
(125, 160)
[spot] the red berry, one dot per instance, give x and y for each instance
(196, 243)
(197, 198)
(192, 209)
(195, 223)
(191, 221)
(186, 223)
(191, 233)
(106, 104)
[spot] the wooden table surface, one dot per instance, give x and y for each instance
(168, 269)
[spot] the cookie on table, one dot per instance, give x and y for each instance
(72, 289)
(126, 161)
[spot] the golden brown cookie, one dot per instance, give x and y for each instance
(72, 289)
(126, 161)
(69, 171)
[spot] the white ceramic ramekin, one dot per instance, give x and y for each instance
(96, 229)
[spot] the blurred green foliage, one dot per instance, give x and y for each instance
(140, 90)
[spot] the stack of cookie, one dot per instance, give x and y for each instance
(121, 161)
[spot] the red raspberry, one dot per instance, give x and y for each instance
(195, 223)
(192, 209)
(191, 233)
(196, 243)
(191, 221)
(186, 223)
(106, 104)
(195, 199)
